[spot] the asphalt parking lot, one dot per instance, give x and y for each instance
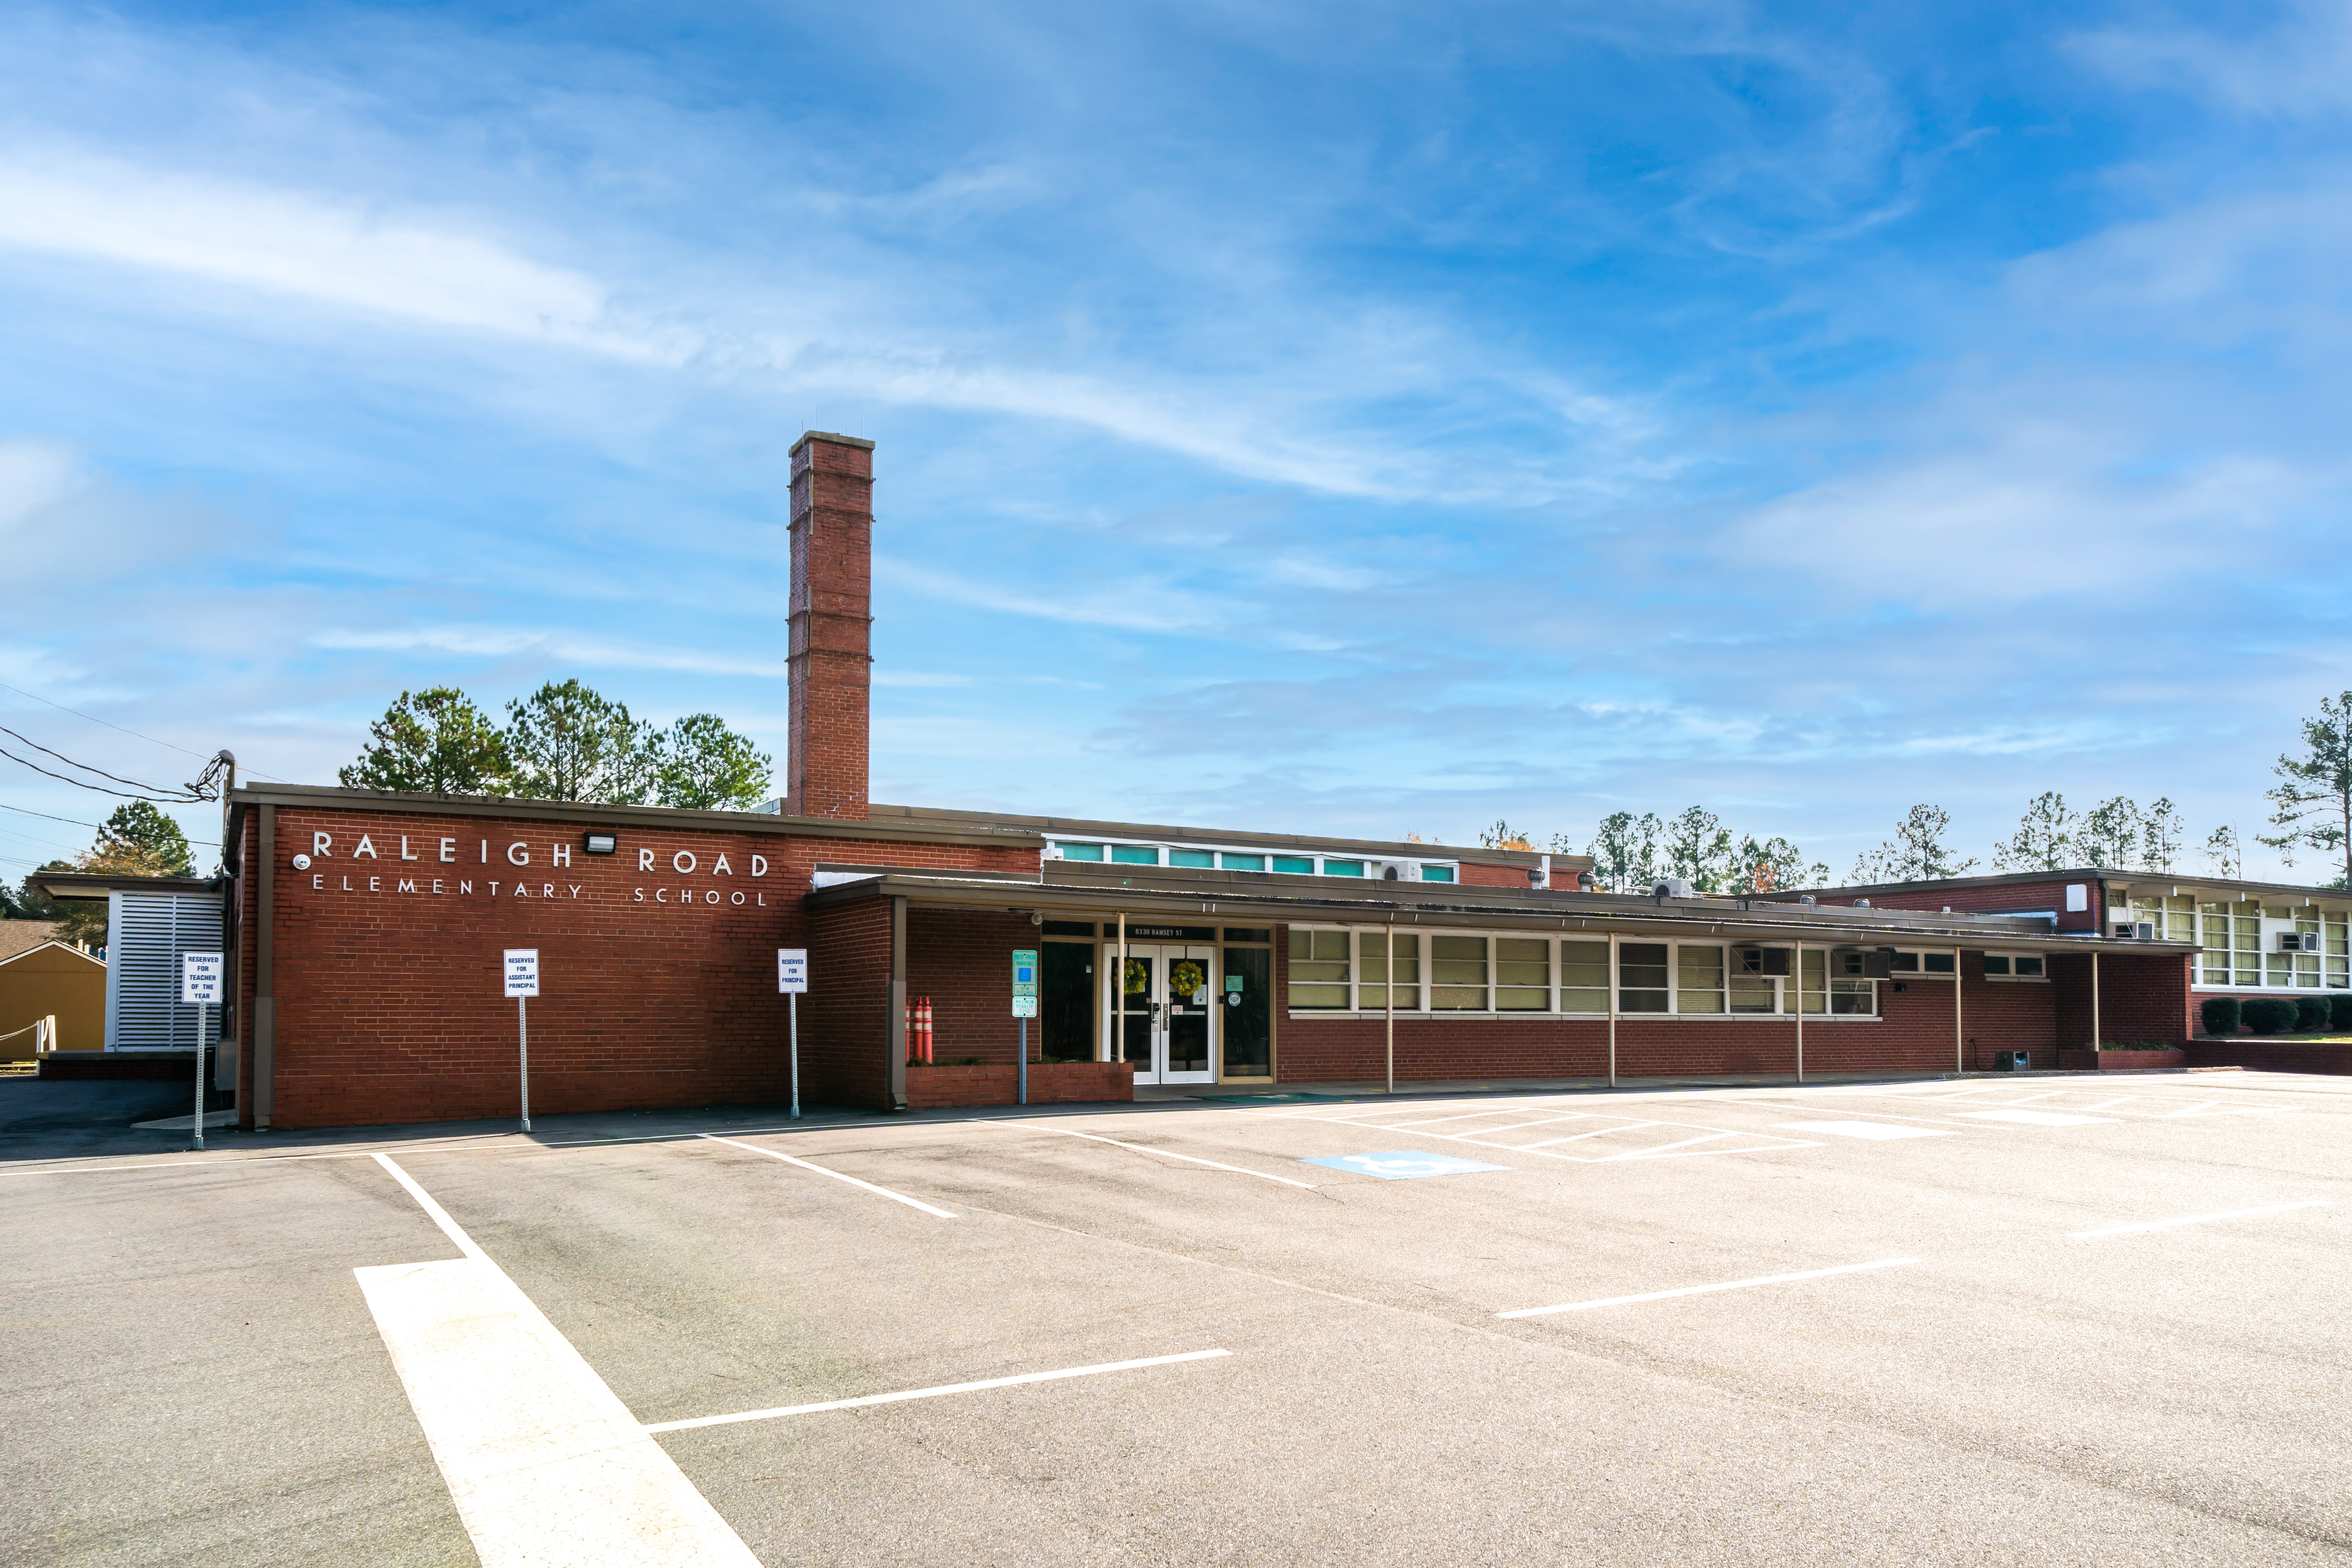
(2052, 1320)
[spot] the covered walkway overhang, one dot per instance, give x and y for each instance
(1077, 892)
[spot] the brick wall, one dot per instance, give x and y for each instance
(962, 960)
(2141, 997)
(1475, 874)
(831, 626)
(658, 982)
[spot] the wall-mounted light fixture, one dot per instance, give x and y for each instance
(601, 843)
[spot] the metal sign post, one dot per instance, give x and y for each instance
(522, 984)
(200, 981)
(792, 979)
(1025, 1004)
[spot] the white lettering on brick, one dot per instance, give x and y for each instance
(758, 865)
(375, 884)
(661, 895)
(559, 856)
(448, 850)
(722, 869)
(682, 861)
(547, 890)
(347, 884)
(404, 849)
(518, 854)
(644, 860)
(466, 888)
(522, 890)
(436, 884)
(739, 898)
(486, 852)
(575, 891)
(408, 884)
(640, 897)
(320, 883)
(711, 897)
(320, 842)
(367, 847)
(494, 889)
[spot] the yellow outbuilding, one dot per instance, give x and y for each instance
(48, 979)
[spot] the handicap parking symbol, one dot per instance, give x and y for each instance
(1402, 1164)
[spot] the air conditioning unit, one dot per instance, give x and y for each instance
(1672, 888)
(2134, 931)
(2291, 942)
(1761, 960)
(1393, 870)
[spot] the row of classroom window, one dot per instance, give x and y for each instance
(1346, 971)
(1232, 860)
(2232, 938)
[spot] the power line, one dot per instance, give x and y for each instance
(201, 790)
(76, 821)
(135, 734)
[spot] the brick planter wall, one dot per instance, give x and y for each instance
(936, 1087)
(2270, 1055)
(2121, 1061)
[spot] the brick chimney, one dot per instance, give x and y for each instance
(832, 617)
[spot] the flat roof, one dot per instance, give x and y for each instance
(589, 814)
(98, 884)
(1081, 827)
(2181, 881)
(1100, 890)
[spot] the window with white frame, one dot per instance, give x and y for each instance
(1583, 976)
(2016, 966)
(1927, 961)
(1523, 974)
(1340, 970)
(1319, 969)
(1457, 973)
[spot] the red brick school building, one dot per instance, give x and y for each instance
(367, 929)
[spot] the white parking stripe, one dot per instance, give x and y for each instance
(1653, 1153)
(932, 1392)
(1579, 1137)
(1147, 1149)
(545, 1464)
(837, 1176)
(1707, 1289)
(2193, 1219)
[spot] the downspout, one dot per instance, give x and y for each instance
(2095, 1001)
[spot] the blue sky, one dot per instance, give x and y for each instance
(1358, 419)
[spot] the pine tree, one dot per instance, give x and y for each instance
(434, 741)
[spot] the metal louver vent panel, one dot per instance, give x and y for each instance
(146, 935)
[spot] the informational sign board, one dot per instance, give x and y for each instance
(200, 977)
(792, 971)
(522, 972)
(1024, 981)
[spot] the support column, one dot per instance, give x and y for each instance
(1959, 1027)
(264, 1100)
(897, 1030)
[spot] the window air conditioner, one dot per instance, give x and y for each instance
(2135, 930)
(1762, 960)
(1394, 871)
(2290, 942)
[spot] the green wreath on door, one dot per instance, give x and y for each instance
(1186, 977)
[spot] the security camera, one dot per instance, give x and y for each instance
(1035, 919)
(301, 862)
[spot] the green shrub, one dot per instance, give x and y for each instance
(2220, 1014)
(2311, 1014)
(2269, 1014)
(2339, 1012)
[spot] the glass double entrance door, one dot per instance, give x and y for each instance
(1162, 1011)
